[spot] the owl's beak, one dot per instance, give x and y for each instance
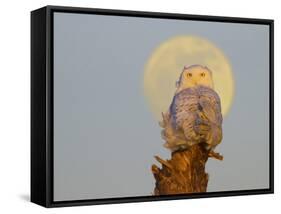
(195, 83)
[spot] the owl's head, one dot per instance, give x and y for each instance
(194, 75)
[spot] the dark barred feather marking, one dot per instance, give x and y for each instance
(194, 113)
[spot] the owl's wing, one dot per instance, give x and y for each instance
(210, 104)
(210, 108)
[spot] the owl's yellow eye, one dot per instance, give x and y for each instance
(189, 74)
(202, 74)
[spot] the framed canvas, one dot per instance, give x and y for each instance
(131, 106)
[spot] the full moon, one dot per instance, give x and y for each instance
(165, 64)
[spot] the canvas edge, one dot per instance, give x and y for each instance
(38, 153)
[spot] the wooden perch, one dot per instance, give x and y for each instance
(184, 172)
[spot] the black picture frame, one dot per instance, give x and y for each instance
(42, 104)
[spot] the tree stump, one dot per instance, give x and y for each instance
(184, 172)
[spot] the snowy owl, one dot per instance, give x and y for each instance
(194, 115)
